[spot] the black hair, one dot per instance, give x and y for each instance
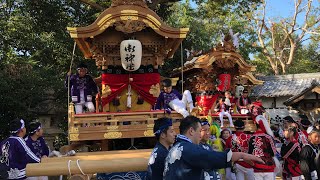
(33, 126)
(239, 124)
(291, 128)
(289, 119)
(15, 125)
(167, 83)
(82, 65)
(158, 123)
(188, 122)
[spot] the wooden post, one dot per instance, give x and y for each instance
(105, 145)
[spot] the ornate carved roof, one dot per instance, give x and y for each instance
(127, 16)
(222, 57)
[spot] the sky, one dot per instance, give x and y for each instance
(281, 8)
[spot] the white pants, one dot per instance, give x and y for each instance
(38, 178)
(264, 176)
(296, 178)
(224, 113)
(79, 107)
(180, 105)
(230, 175)
(244, 173)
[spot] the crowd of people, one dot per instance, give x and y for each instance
(204, 149)
(192, 154)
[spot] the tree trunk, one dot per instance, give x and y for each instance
(273, 65)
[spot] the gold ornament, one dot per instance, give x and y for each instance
(155, 90)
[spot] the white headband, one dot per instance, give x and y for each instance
(36, 129)
(22, 126)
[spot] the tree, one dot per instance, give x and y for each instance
(206, 21)
(279, 39)
(35, 53)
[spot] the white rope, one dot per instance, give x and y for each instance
(70, 68)
(182, 67)
(69, 168)
(78, 164)
(80, 167)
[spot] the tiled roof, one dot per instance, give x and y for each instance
(284, 85)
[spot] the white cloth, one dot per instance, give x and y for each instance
(224, 113)
(244, 111)
(264, 176)
(227, 102)
(88, 104)
(180, 105)
(230, 175)
(244, 173)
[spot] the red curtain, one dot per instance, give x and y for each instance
(206, 102)
(140, 83)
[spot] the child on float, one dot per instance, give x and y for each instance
(226, 138)
(222, 109)
(309, 155)
(170, 99)
(290, 151)
(230, 102)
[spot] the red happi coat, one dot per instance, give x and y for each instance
(262, 145)
(239, 143)
(290, 152)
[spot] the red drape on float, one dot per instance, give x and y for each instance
(141, 83)
(224, 82)
(206, 102)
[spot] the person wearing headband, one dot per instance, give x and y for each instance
(239, 143)
(170, 99)
(309, 155)
(290, 151)
(35, 140)
(205, 138)
(15, 154)
(187, 160)
(37, 144)
(165, 135)
(243, 102)
(82, 87)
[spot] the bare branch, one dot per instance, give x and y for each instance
(305, 21)
(297, 3)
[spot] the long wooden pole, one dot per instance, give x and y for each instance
(87, 167)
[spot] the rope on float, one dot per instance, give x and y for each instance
(181, 67)
(70, 68)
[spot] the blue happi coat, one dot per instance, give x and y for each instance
(210, 173)
(77, 84)
(38, 147)
(156, 162)
(188, 161)
(165, 98)
(15, 154)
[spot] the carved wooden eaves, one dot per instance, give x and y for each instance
(127, 19)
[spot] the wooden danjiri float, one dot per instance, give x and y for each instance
(121, 36)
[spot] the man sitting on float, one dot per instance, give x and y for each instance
(170, 99)
(243, 102)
